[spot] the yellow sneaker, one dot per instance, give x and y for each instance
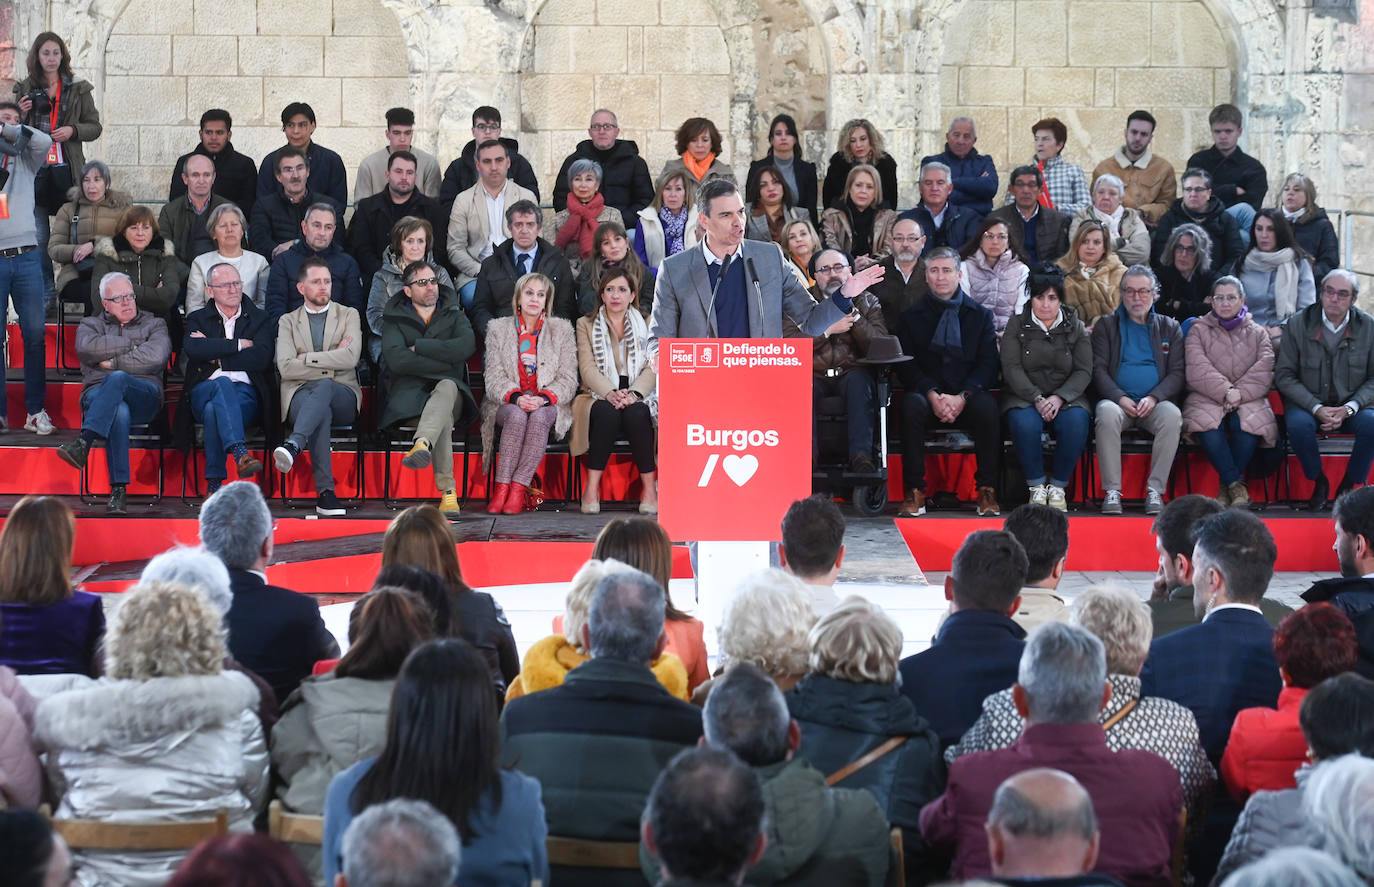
(419, 455)
(448, 504)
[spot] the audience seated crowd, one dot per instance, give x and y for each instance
(1030, 742)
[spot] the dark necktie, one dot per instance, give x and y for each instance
(523, 263)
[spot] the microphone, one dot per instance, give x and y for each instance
(758, 289)
(711, 305)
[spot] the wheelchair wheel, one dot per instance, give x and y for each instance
(870, 500)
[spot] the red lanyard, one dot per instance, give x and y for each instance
(56, 104)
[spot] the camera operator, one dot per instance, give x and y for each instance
(23, 152)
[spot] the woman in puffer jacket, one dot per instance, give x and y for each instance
(91, 212)
(168, 735)
(995, 271)
(21, 779)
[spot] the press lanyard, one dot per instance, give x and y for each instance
(55, 152)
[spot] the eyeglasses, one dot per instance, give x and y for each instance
(832, 269)
(603, 127)
(1225, 300)
(487, 127)
(1138, 292)
(118, 300)
(908, 238)
(1340, 294)
(1195, 190)
(1185, 249)
(424, 281)
(992, 235)
(231, 285)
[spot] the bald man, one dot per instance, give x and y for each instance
(1042, 829)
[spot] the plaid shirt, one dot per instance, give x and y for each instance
(1068, 186)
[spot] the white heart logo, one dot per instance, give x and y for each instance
(739, 468)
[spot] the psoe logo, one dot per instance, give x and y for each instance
(708, 355)
(682, 354)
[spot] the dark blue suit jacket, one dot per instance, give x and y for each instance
(276, 632)
(1214, 669)
(975, 655)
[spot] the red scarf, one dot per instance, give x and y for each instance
(581, 224)
(1044, 198)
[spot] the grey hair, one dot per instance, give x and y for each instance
(1108, 179)
(625, 620)
(113, 277)
(578, 600)
(322, 207)
(225, 209)
(1228, 280)
(100, 167)
(1120, 620)
(937, 165)
(581, 165)
(195, 568)
(614, 119)
(1201, 239)
(1348, 276)
(766, 623)
(711, 190)
(945, 252)
(210, 272)
(1139, 270)
(1062, 671)
(1293, 867)
(963, 118)
(400, 843)
(1339, 801)
(856, 642)
(747, 714)
(1016, 814)
(234, 522)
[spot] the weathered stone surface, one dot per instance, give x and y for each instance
(1105, 33)
(295, 17)
(1154, 86)
(1041, 32)
(240, 96)
(154, 17)
(205, 55)
(228, 17)
(552, 102)
(268, 56)
(1066, 87)
(321, 93)
(986, 34)
(139, 54)
(628, 12)
(360, 18)
(991, 86)
(1186, 35)
(149, 100)
(364, 56)
(367, 98)
(632, 97)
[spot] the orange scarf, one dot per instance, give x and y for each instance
(698, 168)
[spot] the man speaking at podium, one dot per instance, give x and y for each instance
(732, 288)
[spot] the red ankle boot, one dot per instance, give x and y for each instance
(499, 494)
(515, 503)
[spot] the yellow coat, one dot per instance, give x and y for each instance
(548, 662)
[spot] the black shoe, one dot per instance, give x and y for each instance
(1320, 492)
(284, 456)
(74, 453)
(863, 464)
(1345, 487)
(328, 505)
(116, 503)
(212, 486)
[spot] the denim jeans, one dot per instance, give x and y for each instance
(224, 407)
(1228, 448)
(43, 224)
(1302, 436)
(21, 277)
(109, 408)
(466, 293)
(1070, 434)
(1244, 214)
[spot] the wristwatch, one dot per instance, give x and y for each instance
(1349, 411)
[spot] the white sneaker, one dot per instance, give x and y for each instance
(1154, 502)
(1111, 503)
(1038, 495)
(39, 423)
(1056, 497)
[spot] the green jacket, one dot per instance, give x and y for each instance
(1035, 362)
(77, 110)
(441, 351)
(174, 223)
(1307, 375)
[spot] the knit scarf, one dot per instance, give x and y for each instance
(698, 168)
(861, 224)
(581, 224)
(1234, 322)
(674, 230)
(948, 335)
(1282, 265)
(1044, 199)
(1111, 220)
(636, 350)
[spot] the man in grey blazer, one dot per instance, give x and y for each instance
(729, 287)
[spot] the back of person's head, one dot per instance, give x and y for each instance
(1338, 801)
(767, 623)
(988, 571)
(193, 567)
(1240, 547)
(442, 735)
(1120, 620)
(578, 602)
(746, 713)
(421, 537)
(164, 630)
(383, 627)
(36, 552)
(30, 850)
(1314, 643)
(1337, 717)
(625, 620)
(234, 523)
(705, 815)
(643, 544)
(1062, 674)
(428, 586)
(812, 535)
(1354, 513)
(1044, 534)
(1041, 825)
(1175, 524)
(1294, 867)
(856, 642)
(400, 843)
(240, 861)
